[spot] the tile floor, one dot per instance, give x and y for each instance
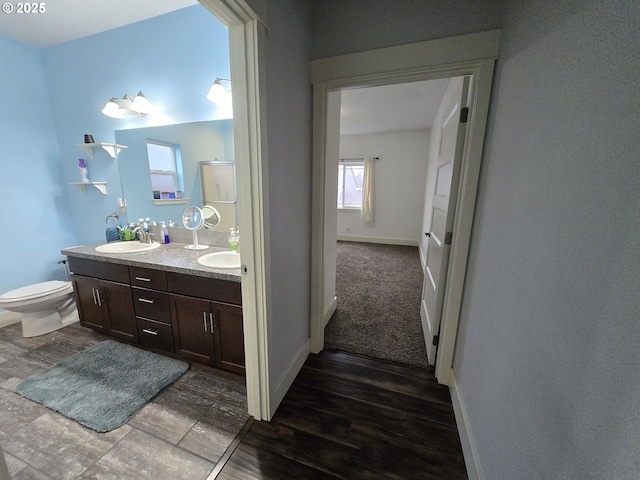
(181, 434)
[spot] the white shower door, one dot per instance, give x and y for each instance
(452, 125)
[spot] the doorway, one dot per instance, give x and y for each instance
(379, 272)
(468, 55)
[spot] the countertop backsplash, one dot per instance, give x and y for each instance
(182, 235)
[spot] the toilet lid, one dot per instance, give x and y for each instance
(36, 290)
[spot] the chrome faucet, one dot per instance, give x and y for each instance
(145, 237)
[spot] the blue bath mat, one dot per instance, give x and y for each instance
(103, 386)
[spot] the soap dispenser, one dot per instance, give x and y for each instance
(233, 240)
(164, 233)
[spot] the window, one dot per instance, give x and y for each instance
(165, 167)
(350, 182)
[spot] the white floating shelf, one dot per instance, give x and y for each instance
(102, 186)
(111, 148)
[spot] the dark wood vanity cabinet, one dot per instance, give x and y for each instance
(91, 313)
(207, 330)
(104, 304)
(197, 318)
(227, 322)
(192, 328)
(151, 305)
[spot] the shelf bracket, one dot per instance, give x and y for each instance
(112, 149)
(101, 186)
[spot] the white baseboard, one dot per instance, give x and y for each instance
(330, 311)
(9, 318)
(387, 241)
(469, 450)
(289, 376)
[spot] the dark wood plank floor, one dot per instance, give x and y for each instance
(353, 417)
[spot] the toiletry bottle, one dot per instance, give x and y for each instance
(141, 225)
(233, 240)
(164, 233)
(84, 173)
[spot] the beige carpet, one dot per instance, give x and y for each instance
(378, 289)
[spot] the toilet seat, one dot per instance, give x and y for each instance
(37, 290)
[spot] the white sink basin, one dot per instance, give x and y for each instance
(126, 247)
(220, 260)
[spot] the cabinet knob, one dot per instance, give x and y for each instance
(145, 300)
(143, 279)
(149, 331)
(204, 320)
(211, 317)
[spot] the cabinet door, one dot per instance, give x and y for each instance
(121, 314)
(228, 335)
(191, 320)
(91, 307)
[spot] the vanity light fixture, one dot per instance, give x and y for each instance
(119, 107)
(217, 93)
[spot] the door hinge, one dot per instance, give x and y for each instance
(436, 339)
(464, 114)
(447, 238)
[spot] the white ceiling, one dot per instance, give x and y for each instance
(405, 106)
(408, 106)
(66, 20)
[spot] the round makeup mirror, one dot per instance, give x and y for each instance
(211, 217)
(193, 219)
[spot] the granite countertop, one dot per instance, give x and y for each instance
(172, 257)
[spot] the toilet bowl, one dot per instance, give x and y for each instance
(45, 306)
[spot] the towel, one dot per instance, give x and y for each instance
(112, 234)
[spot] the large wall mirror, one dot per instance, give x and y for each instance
(160, 169)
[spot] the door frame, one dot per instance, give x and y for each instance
(246, 51)
(473, 55)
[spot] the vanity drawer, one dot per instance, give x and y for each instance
(204, 287)
(155, 335)
(148, 278)
(115, 272)
(151, 304)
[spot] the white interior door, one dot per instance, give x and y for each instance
(451, 121)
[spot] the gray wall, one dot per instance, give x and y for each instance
(399, 184)
(341, 27)
(547, 355)
(289, 169)
(547, 358)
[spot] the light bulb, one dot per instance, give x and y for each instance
(141, 105)
(217, 93)
(112, 109)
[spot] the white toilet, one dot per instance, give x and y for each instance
(45, 306)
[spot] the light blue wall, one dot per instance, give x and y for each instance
(289, 149)
(33, 207)
(172, 58)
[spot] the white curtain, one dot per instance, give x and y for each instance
(367, 194)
